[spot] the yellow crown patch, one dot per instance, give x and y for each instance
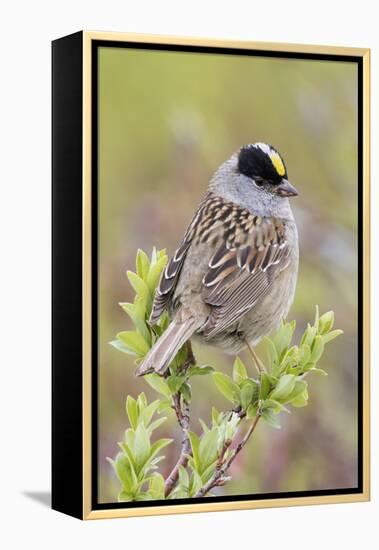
(277, 162)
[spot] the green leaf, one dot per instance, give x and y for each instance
(128, 452)
(301, 400)
(308, 366)
(183, 476)
(139, 286)
(284, 387)
(134, 341)
(317, 349)
(141, 496)
(129, 438)
(156, 461)
(249, 393)
(141, 310)
(283, 337)
(132, 411)
(133, 310)
(203, 425)
(299, 388)
(231, 426)
(142, 264)
(120, 346)
(156, 486)
(208, 472)
(142, 446)
(141, 402)
(289, 360)
(195, 446)
(319, 371)
(331, 335)
(203, 370)
(154, 255)
(123, 496)
(158, 384)
(165, 405)
(179, 492)
(326, 322)
(221, 430)
(195, 483)
(175, 382)
(148, 411)
(186, 392)
(317, 318)
(252, 411)
(215, 416)
(155, 273)
(304, 354)
(273, 357)
(158, 446)
(271, 419)
(308, 336)
(125, 472)
(226, 386)
(154, 425)
(208, 448)
(295, 370)
(274, 405)
(239, 371)
(180, 357)
(264, 385)
(161, 253)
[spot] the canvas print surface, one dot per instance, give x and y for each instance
(248, 369)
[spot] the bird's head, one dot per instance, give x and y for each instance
(265, 167)
(255, 177)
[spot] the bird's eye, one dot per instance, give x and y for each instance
(258, 181)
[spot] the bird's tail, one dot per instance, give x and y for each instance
(168, 345)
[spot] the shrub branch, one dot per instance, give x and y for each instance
(181, 408)
(205, 458)
(223, 465)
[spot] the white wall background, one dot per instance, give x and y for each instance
(26, 31)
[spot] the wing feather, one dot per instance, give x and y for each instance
(171, 273)
(238, 277)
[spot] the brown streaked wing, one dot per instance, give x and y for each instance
(170, 274)
(168, 281)
(239, 276)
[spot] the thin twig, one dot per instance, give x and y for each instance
(223, 465)
(182, 413)
(181, 408)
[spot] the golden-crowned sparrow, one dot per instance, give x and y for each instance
(232, 280)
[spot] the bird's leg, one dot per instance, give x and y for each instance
(257, 362)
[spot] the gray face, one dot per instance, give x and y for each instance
(263, 200)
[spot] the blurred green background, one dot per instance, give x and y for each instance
(167, 120)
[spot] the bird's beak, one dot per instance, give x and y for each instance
(286, 189)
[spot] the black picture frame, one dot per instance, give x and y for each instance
(74, 327)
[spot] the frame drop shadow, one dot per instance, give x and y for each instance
(41, 497)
